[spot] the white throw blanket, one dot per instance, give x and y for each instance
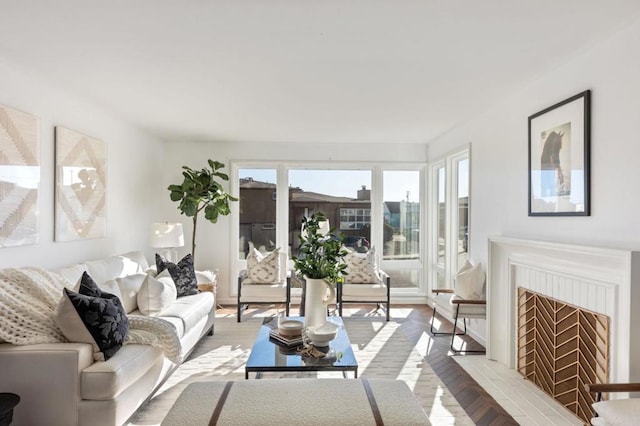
(28, 299)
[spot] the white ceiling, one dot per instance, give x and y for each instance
(300, 70)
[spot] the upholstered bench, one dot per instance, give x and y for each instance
(297, 401)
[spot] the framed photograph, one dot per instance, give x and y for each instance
(559, 138)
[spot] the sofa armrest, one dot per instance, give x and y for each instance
(47, 379)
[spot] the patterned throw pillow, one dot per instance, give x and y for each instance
(362, 268)
(183, 274)
(263, 269)
(92, 316)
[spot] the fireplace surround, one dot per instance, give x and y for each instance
(602, 280)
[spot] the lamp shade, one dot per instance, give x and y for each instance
(165, 234)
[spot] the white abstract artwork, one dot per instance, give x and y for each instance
(80, 186)
(19, 178)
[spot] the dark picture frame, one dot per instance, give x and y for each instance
(559, 158)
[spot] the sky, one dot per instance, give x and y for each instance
(345, 183)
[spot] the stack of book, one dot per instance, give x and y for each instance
(288, 341)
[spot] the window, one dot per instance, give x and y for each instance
(257, 210)
(344, 196)
(449, 204)
(401, 227)
(355, 218)
(371, 206)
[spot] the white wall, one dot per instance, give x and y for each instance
(213, 246)
(499, 152)
(133, 170)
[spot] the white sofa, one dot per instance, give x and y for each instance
(61, 384)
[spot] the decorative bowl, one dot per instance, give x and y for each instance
(321, 335)
(290, 327)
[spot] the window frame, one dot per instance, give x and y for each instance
(450, 267)
(376, 213)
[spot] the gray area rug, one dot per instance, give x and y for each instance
(392, 350)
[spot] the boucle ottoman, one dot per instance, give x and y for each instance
(297, 401)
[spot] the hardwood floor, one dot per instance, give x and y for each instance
(478, 404)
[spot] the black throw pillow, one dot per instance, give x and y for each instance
(182, 273)
(93, 316)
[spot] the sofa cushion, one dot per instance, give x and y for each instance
(190, 309)
(183, 274)
(105, 380)
(263, 268)
(112, 267)
(156, 294)
(92, 316)
(129, 288)
(73, 273)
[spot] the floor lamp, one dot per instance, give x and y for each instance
(167, 236)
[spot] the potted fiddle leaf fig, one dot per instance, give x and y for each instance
(200, 190)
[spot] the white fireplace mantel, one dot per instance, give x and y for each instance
(602, 280)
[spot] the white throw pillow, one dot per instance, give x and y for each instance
(156, 294)
(129, 288)
(263, 269)
(110, 286)
(470, 282)
(618, 411)
(362, 268)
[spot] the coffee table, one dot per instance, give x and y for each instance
(268, 356)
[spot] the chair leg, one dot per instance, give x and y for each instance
(439, 333)
(453, 336)
(239, 311)
(388, 310)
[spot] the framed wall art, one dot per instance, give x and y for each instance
(19, 178)
(559, 142)
(80, 186)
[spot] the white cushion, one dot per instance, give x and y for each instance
(619, 411)
(106, 380)
(469, 282)
(468, 310)
(263, 292)
(190, 309)
(112, 287)
(263, 269)
(112, 267)
(138, 257)
(156, 294)
(73, 273)
(129, 287)
(362, 268)
(352, 291)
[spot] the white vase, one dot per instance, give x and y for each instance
(316, 301)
